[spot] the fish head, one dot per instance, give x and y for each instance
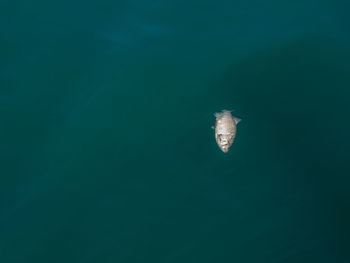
(224, 142)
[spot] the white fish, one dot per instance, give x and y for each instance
(225, 129)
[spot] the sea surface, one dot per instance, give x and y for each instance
(106, 147)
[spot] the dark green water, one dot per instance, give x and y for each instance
(106, 149)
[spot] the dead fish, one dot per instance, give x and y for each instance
(225, 129)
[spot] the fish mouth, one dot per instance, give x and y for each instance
(224, 148)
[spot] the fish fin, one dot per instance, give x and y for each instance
(237, 120)
(223, 112)
(217, 114)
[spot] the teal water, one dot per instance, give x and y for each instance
(106, 149)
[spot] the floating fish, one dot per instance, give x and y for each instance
(225, 129)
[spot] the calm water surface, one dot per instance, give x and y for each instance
(106, 149)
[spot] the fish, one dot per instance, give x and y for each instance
(225, 129)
